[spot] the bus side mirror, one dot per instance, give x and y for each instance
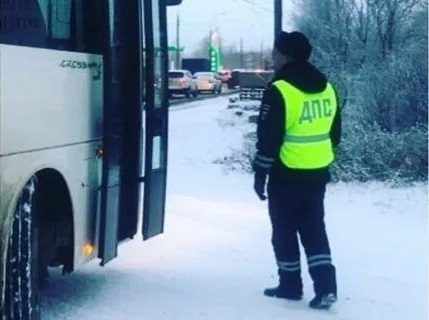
(173, 2)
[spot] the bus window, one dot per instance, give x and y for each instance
(72, 25)
(23, 24)
(59, 22)
(157, 53)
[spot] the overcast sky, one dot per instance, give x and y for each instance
(251, 20)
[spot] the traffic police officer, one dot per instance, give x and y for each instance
(299, 124)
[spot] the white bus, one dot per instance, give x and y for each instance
(83, 108)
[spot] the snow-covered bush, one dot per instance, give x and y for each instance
(366, 153)
(374, 154)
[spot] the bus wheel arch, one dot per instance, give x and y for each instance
(43, 206)
(56, 221)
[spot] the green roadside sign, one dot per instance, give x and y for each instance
(214, 54)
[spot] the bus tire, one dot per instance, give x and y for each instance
(22, 274)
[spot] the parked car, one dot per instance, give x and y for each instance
(208, 81)
(233, 79)
(224, 75)
(181, 82)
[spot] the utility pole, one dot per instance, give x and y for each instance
(277, 17)
(177, 42)
(241, 54)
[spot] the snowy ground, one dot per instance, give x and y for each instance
(215, 257)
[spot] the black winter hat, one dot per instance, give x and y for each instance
(293, 44)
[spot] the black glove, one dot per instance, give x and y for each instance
(259, 185)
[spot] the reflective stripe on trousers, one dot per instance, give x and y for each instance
(319, 260)
(289, 266)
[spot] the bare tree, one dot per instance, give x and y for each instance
(389, 16)
(376, 53)
(202, 49)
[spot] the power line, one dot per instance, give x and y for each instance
(194, 22)
(257, 6)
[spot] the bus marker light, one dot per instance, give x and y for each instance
(87, 249)
(99, 152)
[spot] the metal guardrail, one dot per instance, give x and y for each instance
(251, 94)
(200, 97)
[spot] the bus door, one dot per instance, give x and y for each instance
(135, 69)
(156, 117)
(122, 126)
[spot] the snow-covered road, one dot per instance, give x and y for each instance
(215, 257)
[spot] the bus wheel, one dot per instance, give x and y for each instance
(22, 291)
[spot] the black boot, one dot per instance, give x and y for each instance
(323, 302)
(325, 286)
(281, 292)
(290, 286)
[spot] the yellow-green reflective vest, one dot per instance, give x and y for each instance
(309, 116)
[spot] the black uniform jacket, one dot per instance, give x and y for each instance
(271, 124)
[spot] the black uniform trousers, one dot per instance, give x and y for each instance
(296, 208)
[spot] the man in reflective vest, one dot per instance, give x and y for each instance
(299, 124)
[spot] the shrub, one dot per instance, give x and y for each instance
(375, 154)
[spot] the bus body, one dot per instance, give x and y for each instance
(83, 108)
